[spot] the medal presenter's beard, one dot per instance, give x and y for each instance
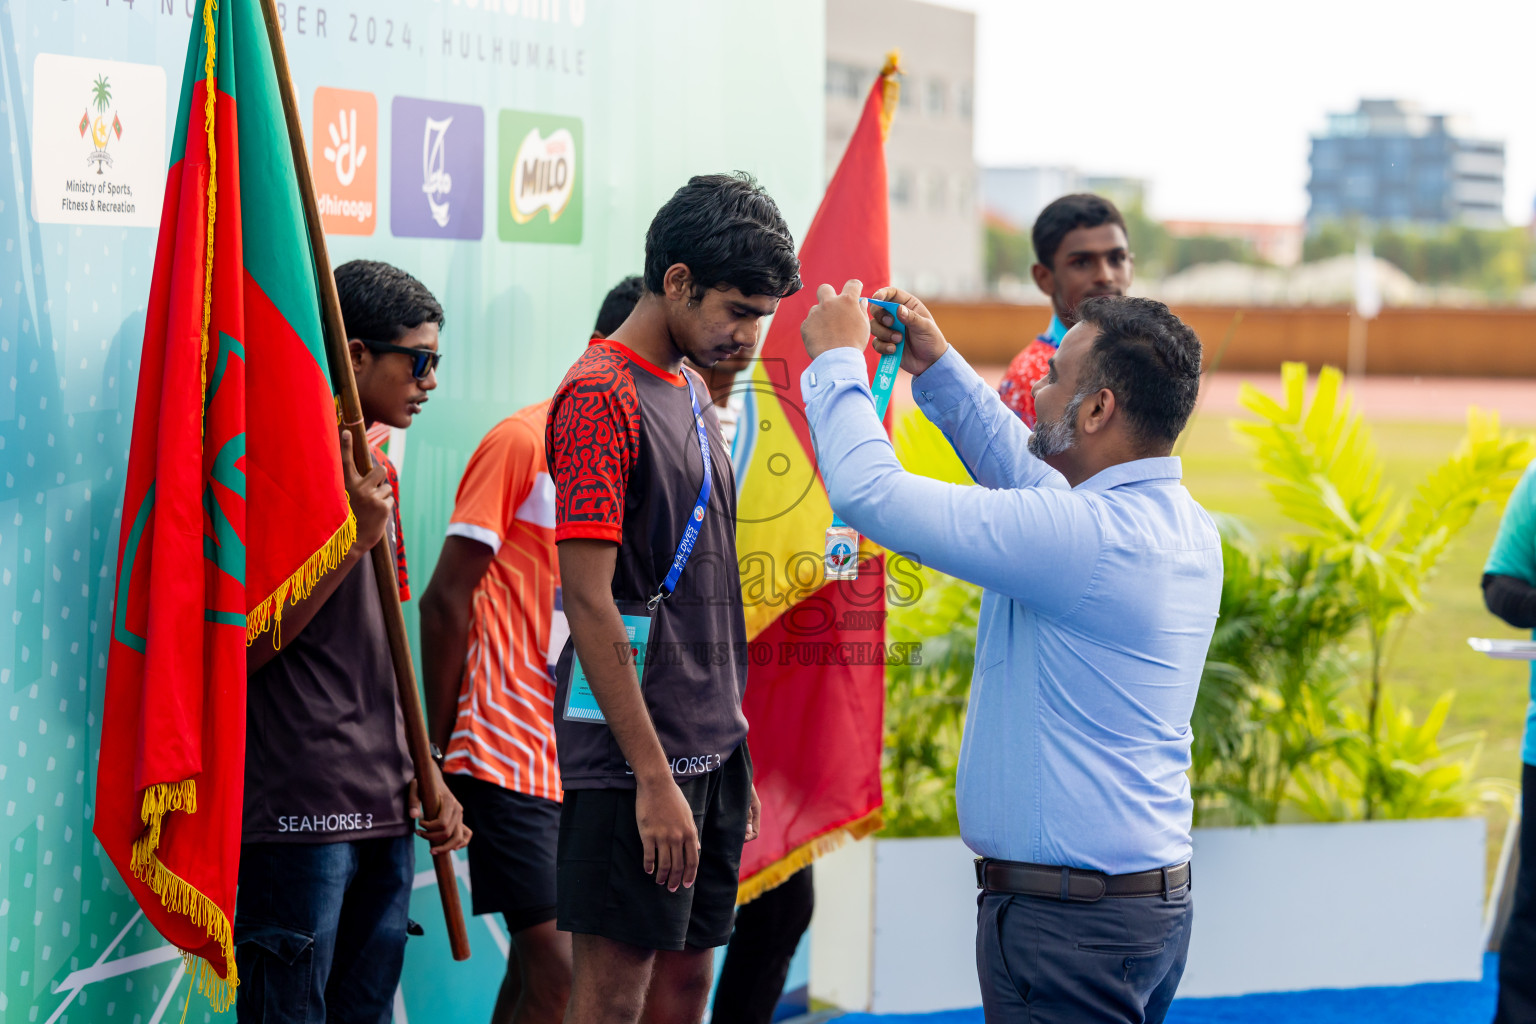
(1059, 435)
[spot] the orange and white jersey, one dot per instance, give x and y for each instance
(504, 732)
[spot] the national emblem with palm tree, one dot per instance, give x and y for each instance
(101, 133)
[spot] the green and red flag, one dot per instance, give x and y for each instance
(816, 699)
(234, 501)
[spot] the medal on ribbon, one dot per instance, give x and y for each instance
(841, 553)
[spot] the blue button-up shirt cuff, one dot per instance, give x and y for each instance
(945, 386)
(832, 366)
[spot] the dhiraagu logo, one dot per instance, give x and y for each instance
(540, 177)
(344, 153)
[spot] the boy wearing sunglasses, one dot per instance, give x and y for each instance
(327, 857)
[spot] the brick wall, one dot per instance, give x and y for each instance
(1402, 342)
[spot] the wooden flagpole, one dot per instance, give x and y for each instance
(352, 418)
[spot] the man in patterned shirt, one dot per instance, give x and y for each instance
(1082, 251)
(491, 623)
(658, 779)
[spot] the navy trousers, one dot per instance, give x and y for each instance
(320, 930)
(1043, 961)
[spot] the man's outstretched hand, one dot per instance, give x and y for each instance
(839, 321)
(836, 321)
(925, 342)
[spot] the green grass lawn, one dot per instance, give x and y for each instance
(1431, 655)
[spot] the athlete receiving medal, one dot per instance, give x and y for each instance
(653, 754)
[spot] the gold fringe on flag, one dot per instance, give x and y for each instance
(210, 105)
(178, 896)
(890, 91)
(777, 873)
(297, 587)
(160, 800)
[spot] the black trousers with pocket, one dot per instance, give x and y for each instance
(1044, 961)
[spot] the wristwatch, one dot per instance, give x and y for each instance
(437, 755)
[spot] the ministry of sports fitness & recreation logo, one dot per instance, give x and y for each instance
(98, 156)
(540, 177)
(101, 134)
(343, 142)
(436, 169)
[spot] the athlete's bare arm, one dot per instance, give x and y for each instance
(445, 618)
(597, 630)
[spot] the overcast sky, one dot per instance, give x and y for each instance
(1213, 100)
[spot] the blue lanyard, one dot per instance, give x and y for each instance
(695, 518)
(885, 374)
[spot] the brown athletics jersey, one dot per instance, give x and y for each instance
(325, 753)
(625, 459)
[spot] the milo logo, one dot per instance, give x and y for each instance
(540, 177)
(543, 175)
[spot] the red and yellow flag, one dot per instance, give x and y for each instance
(221, 524)
(816, 692)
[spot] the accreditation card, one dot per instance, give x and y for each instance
(580, 702)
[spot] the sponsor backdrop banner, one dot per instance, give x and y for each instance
(509, 153)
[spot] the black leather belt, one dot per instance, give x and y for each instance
(1078, 885)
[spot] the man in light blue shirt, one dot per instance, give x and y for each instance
(1102, 580)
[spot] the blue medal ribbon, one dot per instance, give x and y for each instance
(885, 373)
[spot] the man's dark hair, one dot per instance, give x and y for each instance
(728, 231)
(618, 305)
(1081, 210)
(380, 302)
(1148, 357)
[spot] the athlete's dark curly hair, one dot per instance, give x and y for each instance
(726, 230)
(381, 302)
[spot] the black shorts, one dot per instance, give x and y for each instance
(603, 887)
(512, 856)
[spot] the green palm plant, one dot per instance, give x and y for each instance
(1269, 701)
(1415, 773)
(1326, 476)
(925, 706)
(101, 93)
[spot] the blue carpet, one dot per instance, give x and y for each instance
(1461, 1002)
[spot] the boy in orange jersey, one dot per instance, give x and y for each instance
(490, 624)
(489, 621)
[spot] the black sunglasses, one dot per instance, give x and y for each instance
(423, 362)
